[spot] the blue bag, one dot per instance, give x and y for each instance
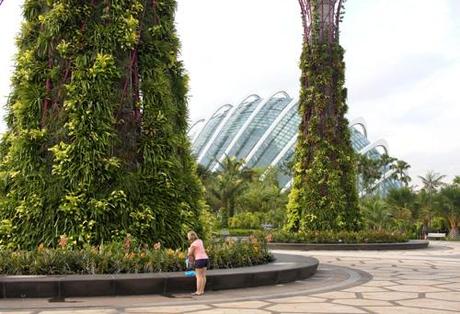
(189, 272)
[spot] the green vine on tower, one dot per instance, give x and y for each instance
(97, 146)
(324, 193)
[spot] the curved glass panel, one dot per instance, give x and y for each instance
(209, 129)
(276, 140)
(256, 129)
(231, 127)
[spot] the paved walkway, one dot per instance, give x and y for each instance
(414, 281)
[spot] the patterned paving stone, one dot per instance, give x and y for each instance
(336, 295)
(413, 288)
(167, 309)
(389, 296)
(379, 283)
(247, 304)
(453, 286)
(425, 277)
(420, 282)
(314, 308)
(449, 296)
(300, 299)
(362, 302)
(364, 288)
(403, 310)
(232, 311)
(432, 304)
(92, 311)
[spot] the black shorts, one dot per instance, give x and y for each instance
(201, 263)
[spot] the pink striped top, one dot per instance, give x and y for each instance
(198, 249)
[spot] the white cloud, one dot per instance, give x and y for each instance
(403, 65)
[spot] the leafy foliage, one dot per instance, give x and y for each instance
(448, 206)
(324, 193)
(224, 186)
(252, 195)
(97, 145)
(330, 236)
(125, 257)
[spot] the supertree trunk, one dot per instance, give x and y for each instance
(97, 145)
(324, 195)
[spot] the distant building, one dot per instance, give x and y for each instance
(264, 133)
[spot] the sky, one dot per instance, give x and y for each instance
(402, 58)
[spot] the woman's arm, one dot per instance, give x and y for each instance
(191, 252)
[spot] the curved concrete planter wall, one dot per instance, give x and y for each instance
(286, 268)
(412, 244)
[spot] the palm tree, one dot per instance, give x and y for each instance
(368, 173)
(432, 181)
(449, 207)
(230, 181)
(376, 214)
(403, 198)
(401, 167)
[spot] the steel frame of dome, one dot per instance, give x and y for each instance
(251, 129)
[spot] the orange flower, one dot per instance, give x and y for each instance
(63, 240)
(127, 243)
(269, 237)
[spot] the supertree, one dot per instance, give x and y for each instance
(324, 194)
(96, 146)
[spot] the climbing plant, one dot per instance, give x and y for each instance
(324, 194)
(96, 146)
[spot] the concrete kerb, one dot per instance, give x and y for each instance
(285, 268)
(410, 245)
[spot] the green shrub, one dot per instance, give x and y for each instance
(241, 232)
(246, 220)
(336, 237)
(128, 257)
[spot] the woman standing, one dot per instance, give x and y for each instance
(197, 253)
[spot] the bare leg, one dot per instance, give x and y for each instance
(200, 280)
(203, 282)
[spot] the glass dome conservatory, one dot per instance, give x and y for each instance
(263, 133)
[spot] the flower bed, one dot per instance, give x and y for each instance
(124, 257)
(336, 237)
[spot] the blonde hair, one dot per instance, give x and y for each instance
(192, 236)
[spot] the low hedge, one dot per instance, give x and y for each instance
(336, 237)
(241, 232)
(117, 258)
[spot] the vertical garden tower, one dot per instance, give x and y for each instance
(324, 193)
(96, 145)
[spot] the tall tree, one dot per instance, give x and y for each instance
(376, 214)
(449, 207)
(97, 145)
(400, 168)
(432, 181)
(369, 172)
(229, 182)
(324, 193)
